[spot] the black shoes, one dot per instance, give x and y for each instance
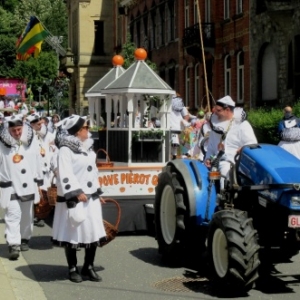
(14, 252)
(90, 272)
(24, 245)
(74, 275)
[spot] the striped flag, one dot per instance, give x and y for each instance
(30, 42)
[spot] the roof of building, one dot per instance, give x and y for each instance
(112, 75)
(138, 78)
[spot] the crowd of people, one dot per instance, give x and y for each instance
(33, 149)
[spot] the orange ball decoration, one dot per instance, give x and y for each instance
(140, 54)
(117, 60)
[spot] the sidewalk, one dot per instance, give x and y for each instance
(14, 283)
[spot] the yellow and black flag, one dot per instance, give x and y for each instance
(30, 42)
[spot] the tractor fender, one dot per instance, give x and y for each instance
(195, 177)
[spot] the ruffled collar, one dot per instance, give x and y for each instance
(239, 116)
(63, 139)
(9, 141)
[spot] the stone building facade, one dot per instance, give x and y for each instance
(275, 52)
(92, 41)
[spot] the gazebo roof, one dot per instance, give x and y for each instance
(96, 89)
(139, 78)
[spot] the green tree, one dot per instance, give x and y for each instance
(9, 5)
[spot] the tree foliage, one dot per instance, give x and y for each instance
(14, 16)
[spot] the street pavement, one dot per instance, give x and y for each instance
(131, 268)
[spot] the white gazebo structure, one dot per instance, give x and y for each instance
(132, 100)
(96, 99)
(137, 149)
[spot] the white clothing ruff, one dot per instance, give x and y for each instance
(292, 147)
(88, 231)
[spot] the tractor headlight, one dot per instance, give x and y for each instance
(295, 200)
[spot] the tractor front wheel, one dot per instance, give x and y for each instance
(233, 250)
(170, 211)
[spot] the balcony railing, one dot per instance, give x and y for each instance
(192, 35)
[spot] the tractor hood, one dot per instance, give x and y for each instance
(269, 164)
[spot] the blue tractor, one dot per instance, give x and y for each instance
(256, 213)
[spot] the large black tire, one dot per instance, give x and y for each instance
(170, 212)
(233, 251)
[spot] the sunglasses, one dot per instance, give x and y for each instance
(85, 127)
(219, 109)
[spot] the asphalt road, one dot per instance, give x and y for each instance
(131, 268)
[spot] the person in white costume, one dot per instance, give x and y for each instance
(230, 132)
(78, 214)
(178, 113)
(45, 144)
(20, 175)
(289, 131)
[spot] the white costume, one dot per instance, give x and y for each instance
(239, 134)
(19, 180)
(45, 141)
(289, 130)
(82, 222)
(177, 114)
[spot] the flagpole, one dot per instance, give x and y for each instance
(203, 56)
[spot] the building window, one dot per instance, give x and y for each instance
(172, 75)
(269, 75)
(186, 13)
(162, 72)
(240, 77)
(138, 33)
(145, 35)
(158, 29)
(226, 9)
(153, 31)
(207, 11)
(227, 75)
(162, 24)
(197, 85)
(171, 21)
(239, 6)
(187, 86)
(99, 38)
(196, 18)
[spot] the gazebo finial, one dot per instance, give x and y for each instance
(140, 54)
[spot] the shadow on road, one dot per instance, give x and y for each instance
(149, 256)
(49, 273)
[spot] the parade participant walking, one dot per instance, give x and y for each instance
(45, 144)
(78, 214)
(230, 132)
(20, 176)
(289, 131)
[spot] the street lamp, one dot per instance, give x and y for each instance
(39, 90)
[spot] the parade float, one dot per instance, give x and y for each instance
(134, 145)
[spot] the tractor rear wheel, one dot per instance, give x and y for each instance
(233, 250)
(170, 212)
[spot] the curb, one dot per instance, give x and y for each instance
(16, 279)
